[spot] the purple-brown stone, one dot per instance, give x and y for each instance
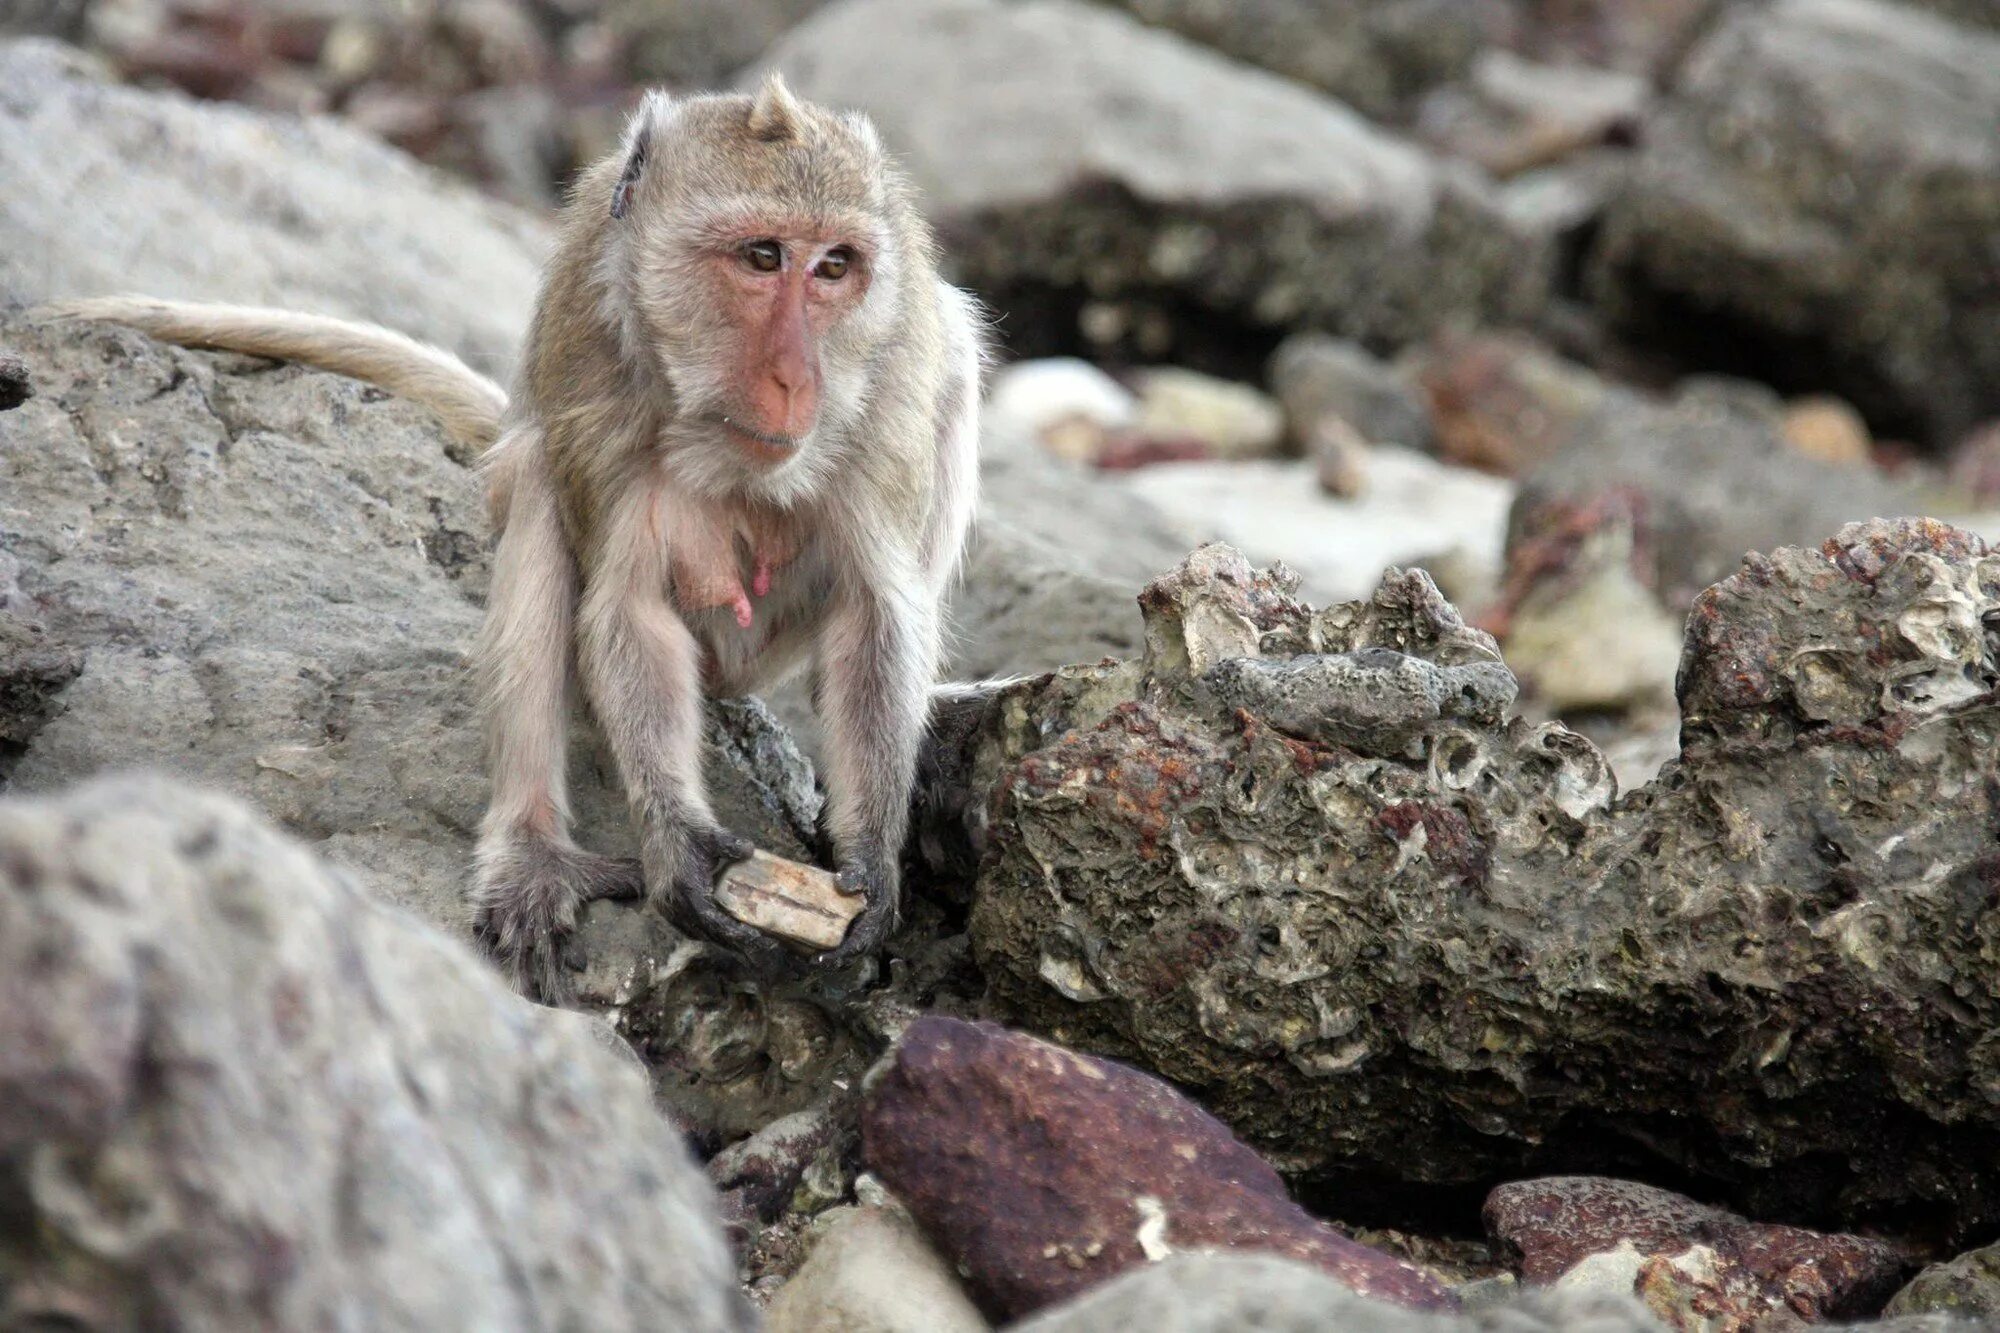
(1751, 1271)
(1042, 1172)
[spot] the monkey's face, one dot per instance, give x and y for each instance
(781, 291)
(764, 266)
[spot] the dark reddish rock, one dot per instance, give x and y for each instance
(1043, 1172)
(1125, 450)
(1503, 402)
(1756, 1270)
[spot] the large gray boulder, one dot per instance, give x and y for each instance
(236, 1090)
(1104, 181)
(1816, 204)
(113, 189)
(1404, 932)
(266, 581)
(1378, 58)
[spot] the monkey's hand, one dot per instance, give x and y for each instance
(682, 864)
(874, 881)
(525, 907)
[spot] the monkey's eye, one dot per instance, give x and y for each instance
(764, 256)
(834, 266)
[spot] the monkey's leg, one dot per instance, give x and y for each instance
(641, 668)
(530, 877)
(878, 654)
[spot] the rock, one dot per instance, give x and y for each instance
(1376, 700)
(1504, 403)
(800, 904)
(1151, 197)
(1807, 203)
(1068, 406)
(1055, 556)
(1315, 376)
(234, 1082)
(1758, 972)
(43, 18)
(116, 190)
(1828, 431)
(1968, 1286)
(695, 45)
(1412, 510)
(1746, 1272)
(1588, 568)
(15, 386)
(1341, 459)
(266, 581)
(764, 1170)
(1698, 480)
(1975, 464)
(1224, 1291)
(1233, 421)
(1377, 58)
(869, 1271)
(1514, 115)
(1042, 1172)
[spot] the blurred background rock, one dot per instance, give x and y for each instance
(1570, 301)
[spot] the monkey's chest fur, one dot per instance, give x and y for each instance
(751, 585)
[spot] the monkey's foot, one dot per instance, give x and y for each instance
(525, 909)
(878, 920)
(687, 866)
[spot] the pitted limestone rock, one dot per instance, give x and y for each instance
(1766, 971)
(1377, 701)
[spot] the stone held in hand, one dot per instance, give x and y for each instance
(798, 903)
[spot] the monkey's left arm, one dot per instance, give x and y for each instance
(878, 655)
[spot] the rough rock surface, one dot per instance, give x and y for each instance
(1413, 510)
(871, 1271)
(1152, 196)
(111, 189)
(1043, 1172)
(266, 580)
(1968, 1285)
(1815, 203)
(1754, 1271)
(762, 1172)
(234, 1088)
(1377, 58)
(1317, 376)
(1223, 1292)
(1444, 959)
(1637, 506)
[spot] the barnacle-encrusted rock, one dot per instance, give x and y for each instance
(1441, 949)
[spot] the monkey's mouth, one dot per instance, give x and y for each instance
(764, 448)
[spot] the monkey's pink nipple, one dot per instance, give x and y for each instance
(760, 582)
(744, 615)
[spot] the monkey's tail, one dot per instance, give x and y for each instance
(469, 403)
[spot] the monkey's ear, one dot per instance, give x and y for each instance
(775, 114)
(637, 145)
(864, 130)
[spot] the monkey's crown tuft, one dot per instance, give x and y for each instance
(775, 113)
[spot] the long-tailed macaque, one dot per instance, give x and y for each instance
(743, 439)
